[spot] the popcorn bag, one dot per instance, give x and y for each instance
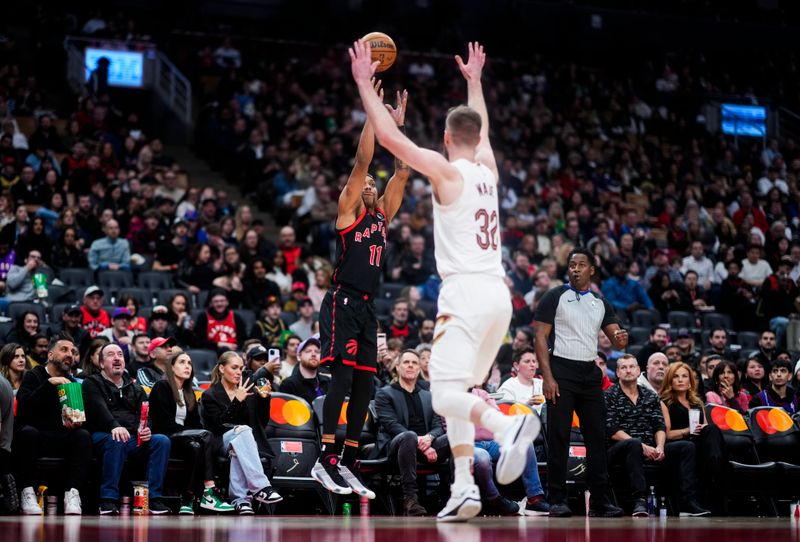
(71, 398)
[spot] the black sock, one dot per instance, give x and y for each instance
(350, 453)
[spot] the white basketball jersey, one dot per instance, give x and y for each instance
(467, 232)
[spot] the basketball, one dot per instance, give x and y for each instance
(383, 49)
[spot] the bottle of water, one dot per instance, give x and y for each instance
(652, 502)
(662, 512)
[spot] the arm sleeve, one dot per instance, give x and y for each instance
(610, 316)
(546, 311)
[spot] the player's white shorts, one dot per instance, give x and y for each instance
(474, 315)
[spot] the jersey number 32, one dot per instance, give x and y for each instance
(487, 229)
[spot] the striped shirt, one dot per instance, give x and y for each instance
(577, 318)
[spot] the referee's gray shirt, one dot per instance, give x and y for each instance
(577, 318)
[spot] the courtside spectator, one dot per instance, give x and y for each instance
(226, 415)
(43, 432)
(636, 432)
(524, 387)
(159, 352)
(289, 360)
(113, 410)
(653, 377)
(410, 431)
(176, 413)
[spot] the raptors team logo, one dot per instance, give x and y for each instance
(352, 347)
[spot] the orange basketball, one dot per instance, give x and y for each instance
(383, 49)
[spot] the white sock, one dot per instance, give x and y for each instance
(463, 471)
(495, 421)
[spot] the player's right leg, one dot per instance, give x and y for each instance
(338, 327)
(326, 469)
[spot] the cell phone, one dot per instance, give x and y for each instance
(274, 354)
(381, 339)
(735, 347)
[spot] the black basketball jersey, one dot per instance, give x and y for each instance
(360, 253)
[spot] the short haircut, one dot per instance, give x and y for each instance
(581, 250)
(408, 351)
(518, 355)
(464, 126)
(627, 357)
(656, 328)
(717, 328)
(55, 339)
(778, 363)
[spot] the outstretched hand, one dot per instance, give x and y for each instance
(474, 66)
(361, 63)
(398, 112)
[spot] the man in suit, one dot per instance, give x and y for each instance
(409, 428)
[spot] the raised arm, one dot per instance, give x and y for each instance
(393, 195)
(472, 71)
(431, 164)
(350, 198)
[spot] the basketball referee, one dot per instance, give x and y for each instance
(568, 319)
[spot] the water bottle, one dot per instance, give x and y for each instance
(125, 506)
(52, 505)
(363, 509)
(662, 511)
(346, 509)
(652, 503)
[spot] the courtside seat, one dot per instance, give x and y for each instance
(292, 437)
(749, 475)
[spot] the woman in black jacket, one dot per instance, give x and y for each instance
(175, 413)
(226, 415)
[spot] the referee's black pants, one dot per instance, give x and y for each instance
(580, 388)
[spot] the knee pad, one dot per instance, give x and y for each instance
(451, 399)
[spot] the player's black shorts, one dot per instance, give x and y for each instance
(348, 329)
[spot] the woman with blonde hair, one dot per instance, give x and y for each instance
(226, 415)
(244, 220)
(174, 412)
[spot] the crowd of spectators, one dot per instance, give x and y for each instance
(681, 221)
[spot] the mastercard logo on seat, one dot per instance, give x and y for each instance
(773, 420)
(289, 412)
(728, 419)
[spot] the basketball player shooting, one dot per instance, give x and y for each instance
(474, 303)
(347, 321)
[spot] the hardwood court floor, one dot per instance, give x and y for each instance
(385, 529)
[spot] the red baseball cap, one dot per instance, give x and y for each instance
(160, 341)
